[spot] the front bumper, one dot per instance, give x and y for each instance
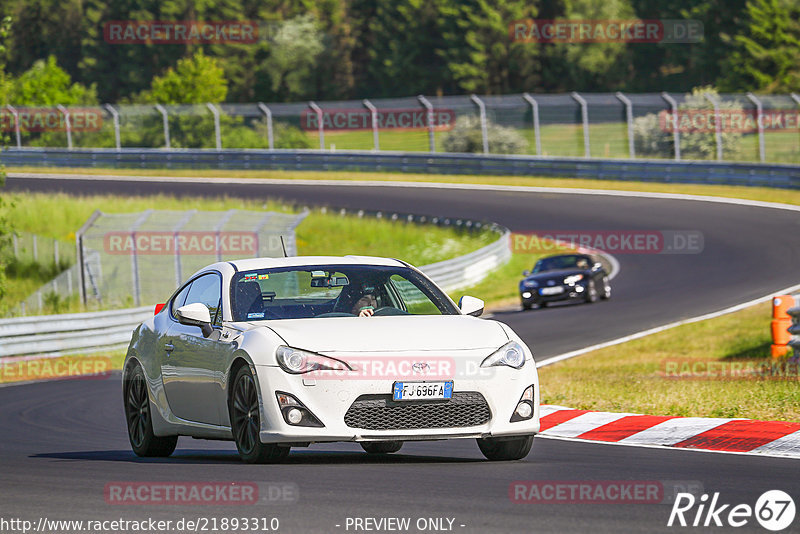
(330, 399)
(532, 295)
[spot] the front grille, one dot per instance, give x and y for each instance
(380, 412)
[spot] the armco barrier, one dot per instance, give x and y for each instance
(698, 172)
(57, 334)
(794, 313)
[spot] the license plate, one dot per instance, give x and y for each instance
(551, 290)
(411, 391)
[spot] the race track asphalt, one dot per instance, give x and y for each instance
(62, 442)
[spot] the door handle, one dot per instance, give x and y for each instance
(169, 347)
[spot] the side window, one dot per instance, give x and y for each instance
(180, 298)
(416, 302)
(207, 290)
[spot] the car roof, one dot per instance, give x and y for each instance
(295, 261)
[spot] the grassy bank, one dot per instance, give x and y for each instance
(668, 373)
(319, 233)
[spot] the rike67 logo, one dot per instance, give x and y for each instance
(774, 510)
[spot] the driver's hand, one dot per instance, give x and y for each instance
(366, 312)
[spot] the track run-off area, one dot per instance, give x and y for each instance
(67, 439)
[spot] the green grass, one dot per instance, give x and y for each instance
(319, 233)
(628, 377)
(765, 194)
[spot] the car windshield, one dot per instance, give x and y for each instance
(554, 263)
(334, 291)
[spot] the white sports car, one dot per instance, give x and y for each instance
(275, 353)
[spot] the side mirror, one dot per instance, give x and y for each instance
(526, 273)
(471, 306)
(195, 315)
(597, 266)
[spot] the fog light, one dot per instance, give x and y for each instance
(579, 289)
(526, 295)
(294, 416)
(524, 410)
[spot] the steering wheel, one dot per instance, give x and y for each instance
(388, 310)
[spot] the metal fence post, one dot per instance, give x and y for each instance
(176, 235)
(629, 118)
(80, 257)
(320, 126)
(536, 133)
(676, 134)
(215, 112)
(429, 107)
(14, 112)
(268, 115)
(35, 248)
(68, 126)
(115, 117)
(760, 125)
(55, 253)
(717, 125)
(484, 130)
(585, 119)
(161, 109)
(374, 114)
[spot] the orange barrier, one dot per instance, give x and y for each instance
(780, 325)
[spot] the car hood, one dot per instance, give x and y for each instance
(560, 273)
(389, 334)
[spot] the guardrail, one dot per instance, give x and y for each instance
(794, 313)
(58, 334)
(699, 172)
(54, 335)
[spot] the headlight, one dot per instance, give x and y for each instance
(530, 283)
(572, 279)
(511, 354)
(296, 361)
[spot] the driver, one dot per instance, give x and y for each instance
(365, 306)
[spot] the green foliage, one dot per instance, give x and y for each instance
(47, 84)
(293, 57)
(466, 136)
(766, 53)
(652, 139)
(195, 80)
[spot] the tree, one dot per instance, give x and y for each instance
(47, 84)
(293, 56)
(766, 52)
(194, 80)
(6, 228)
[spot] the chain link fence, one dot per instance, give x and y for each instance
(693, 126)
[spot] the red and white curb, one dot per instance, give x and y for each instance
(769, 438)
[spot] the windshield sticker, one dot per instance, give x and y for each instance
(318, 274)
(255, 315)
(263, 277)
(249, 278)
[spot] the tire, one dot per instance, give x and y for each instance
(591, 292)
(606, 294)
(246, 422)
(381, 447)
(498, 450)
(526, 306)
(140, 423)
